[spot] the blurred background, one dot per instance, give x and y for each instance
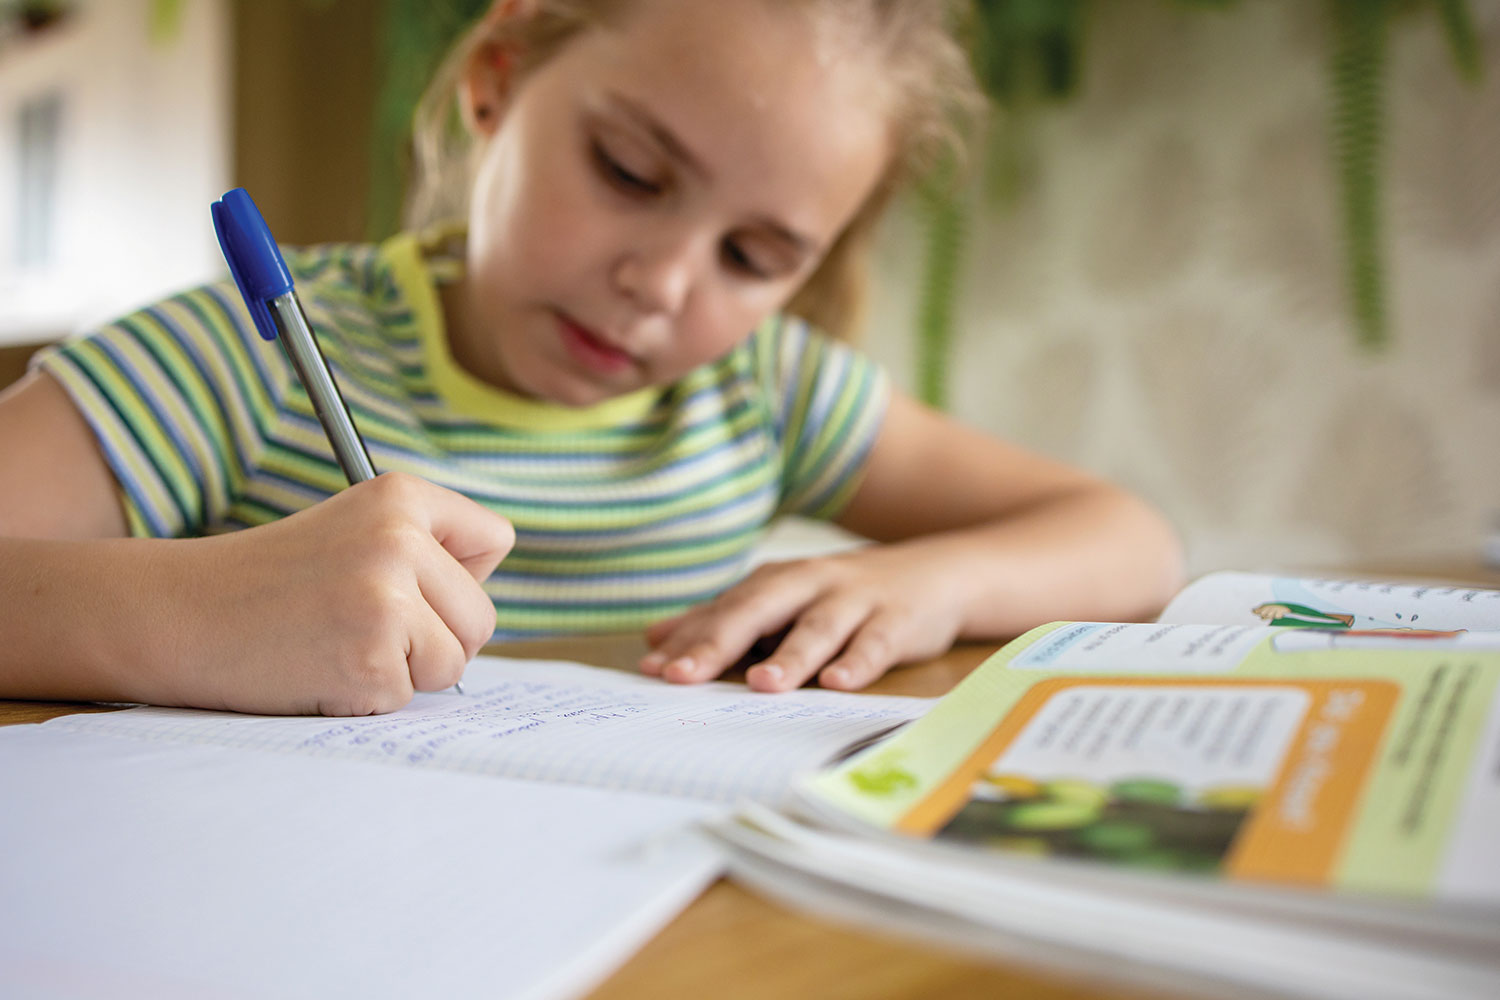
(1243, 257)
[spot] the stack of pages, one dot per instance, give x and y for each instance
(1285, 786)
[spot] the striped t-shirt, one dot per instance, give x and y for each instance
(624, 512)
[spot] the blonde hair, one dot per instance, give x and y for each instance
(927, 72)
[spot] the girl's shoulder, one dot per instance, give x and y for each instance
(786, 349)
(349, 268)
(803, 376)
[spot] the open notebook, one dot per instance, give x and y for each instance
(520, 840)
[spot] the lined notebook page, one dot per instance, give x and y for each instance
(138, 870)
(565, 722)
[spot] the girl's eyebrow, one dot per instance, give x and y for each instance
(678, 151)
(659, 131)
(799, 243)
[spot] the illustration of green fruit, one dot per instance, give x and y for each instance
(1075, 790)
(1152, 790)
(1116, 837)
(1233, 797)
(1045, 815)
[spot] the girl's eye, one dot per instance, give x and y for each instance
(741, 260)
(621, 176)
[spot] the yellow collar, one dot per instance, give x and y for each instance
(470, 396)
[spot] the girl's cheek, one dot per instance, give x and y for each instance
(716, 329)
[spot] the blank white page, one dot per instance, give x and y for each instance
(132, 869)
(553, 721)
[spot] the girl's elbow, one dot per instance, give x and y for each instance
(1159, 552)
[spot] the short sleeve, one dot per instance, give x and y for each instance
(827, 402)
(165, 391)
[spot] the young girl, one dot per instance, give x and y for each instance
(603, 375)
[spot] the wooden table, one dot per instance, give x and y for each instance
(730, 944)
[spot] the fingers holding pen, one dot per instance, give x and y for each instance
(435, 655)
(463, 612)
(393, 586)
(459, 543)
(476, 537)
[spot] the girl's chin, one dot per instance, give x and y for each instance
(576, 391)
(559, 381)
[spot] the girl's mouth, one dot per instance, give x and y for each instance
(587, 348)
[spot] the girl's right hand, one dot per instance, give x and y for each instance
(345, 608)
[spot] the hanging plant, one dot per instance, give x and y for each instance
(1359, 59)
(1359, 103)
(1028, 51)
(1024, 52)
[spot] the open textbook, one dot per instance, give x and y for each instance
(520, 840)
(1292, 786)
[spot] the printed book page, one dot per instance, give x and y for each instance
(1356, 607)
(1238, 752)
(566, 722)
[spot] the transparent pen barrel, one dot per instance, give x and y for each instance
(297, 339)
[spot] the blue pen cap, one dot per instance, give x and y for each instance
(253, 257)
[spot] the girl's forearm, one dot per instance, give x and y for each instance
(85, 620)
(1095, 553)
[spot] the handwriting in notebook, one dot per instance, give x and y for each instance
(564, 722)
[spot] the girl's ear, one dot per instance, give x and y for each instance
(485, 87)
(490, 74)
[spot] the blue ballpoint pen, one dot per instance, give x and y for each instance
(266, 286)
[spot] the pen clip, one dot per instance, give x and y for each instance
(253, 257)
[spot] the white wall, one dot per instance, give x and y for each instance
(144, 151)
(1165, 305)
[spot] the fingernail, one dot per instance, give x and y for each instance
(651, 663)
(838, 675)
(771, 672)
(680, 668)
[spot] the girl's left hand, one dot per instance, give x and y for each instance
(848, 619)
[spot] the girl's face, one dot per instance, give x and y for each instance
(655, 189)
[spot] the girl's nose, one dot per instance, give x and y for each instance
(657, 279)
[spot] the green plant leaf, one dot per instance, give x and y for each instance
(164, 19)
(1023, 51)
(416, 35)
(1023, 48)
(1463, 40)
(945, 210)
(1358, 114)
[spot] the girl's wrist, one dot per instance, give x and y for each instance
(138, 620)
(69, 617)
